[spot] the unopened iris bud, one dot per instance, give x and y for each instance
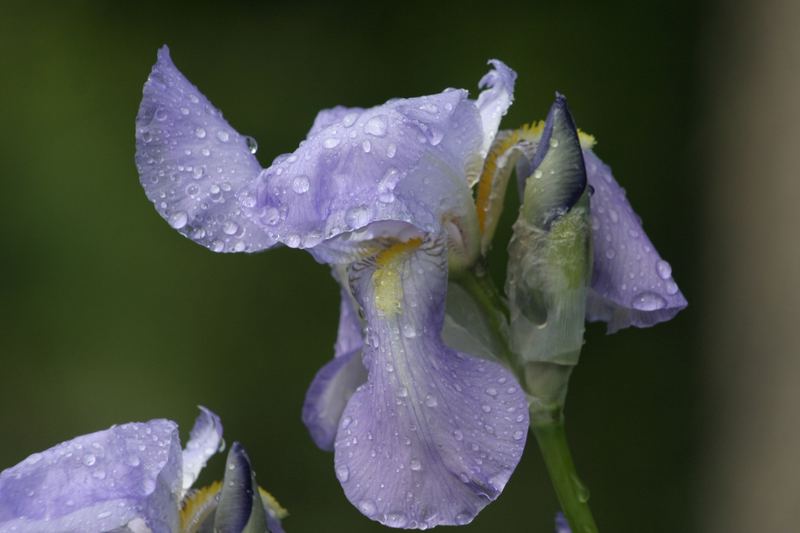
(550, 262)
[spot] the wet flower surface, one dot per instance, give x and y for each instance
(423, 434)
(130, 478)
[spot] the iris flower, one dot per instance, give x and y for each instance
(134, 478)
(424, 432)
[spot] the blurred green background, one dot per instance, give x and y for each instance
(108, 315)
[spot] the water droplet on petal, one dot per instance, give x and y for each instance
(430, 401)
(463, 519)
(458, 434)
(395, 520)
(366, 146)
(648, 301)
(230, 228)
(672, 287)
(342, 473)
(160, 114)
(252, 144)
(346, 421)
(223, 136)
(200, 133)
(518, 435)
(367, 507)
(178, 220)
(537, 174)
(331, 142)
(486, 409)
(415, 465)
(391, 150)
(349, 119)
(89, 459)
(409, 332)
(300, 184)
(271, 216)
(376, 126)
(553, 142)
(357, 217)
(663, 269)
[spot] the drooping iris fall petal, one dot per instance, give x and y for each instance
(631, 284)
(433, 435)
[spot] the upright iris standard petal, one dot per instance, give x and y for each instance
(329, 117)
(403, 163)
(434, 434)
(631, 284)
(196, 169)
(495, 100)
(205, 440)
(97, 482)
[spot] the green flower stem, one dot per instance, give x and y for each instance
(548, 427)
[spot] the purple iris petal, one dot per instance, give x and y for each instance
(631, 284)
(205, 440)
(370, 168)
(562, 526)
(97, 482)
(349, 337)
(196, 169)
(434, 434)
(328, 394)
(338, 379)
(328, 117)
(356, 169)
(495, 100)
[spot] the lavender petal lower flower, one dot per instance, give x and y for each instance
(100, 481)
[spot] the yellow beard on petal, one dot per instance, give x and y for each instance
(386, 280)
(197, 506)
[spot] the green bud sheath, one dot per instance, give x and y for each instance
(549, 267)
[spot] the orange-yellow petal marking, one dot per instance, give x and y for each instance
(486, 183)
